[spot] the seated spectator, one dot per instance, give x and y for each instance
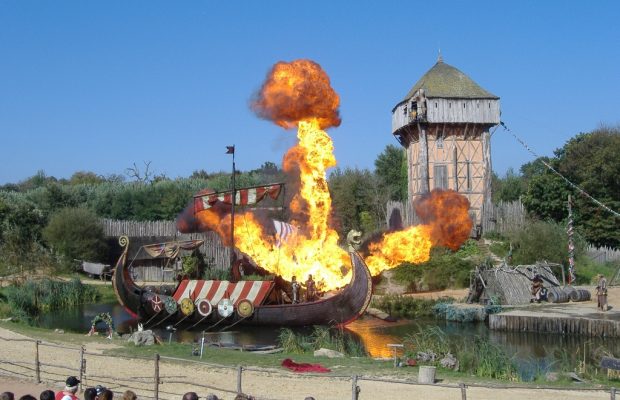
(190, 396)
(106, 394)
(89, 394)
(27, 397)
(71, 388)
(7, 396)
(47, 395)
(129, 395)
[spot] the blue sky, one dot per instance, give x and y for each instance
(97, 86)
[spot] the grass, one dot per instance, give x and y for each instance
(30, 299)
(231, 358)
(406, 306)
(321, 337)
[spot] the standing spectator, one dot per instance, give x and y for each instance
(129, 395)
(190, 396)
(27, 397)
(7, 396)
(71, 388)
(46, 395)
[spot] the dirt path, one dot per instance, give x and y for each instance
(119, 374)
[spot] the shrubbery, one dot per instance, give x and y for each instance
(444, 269)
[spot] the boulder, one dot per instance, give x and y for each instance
(143, 338)
(328, 353)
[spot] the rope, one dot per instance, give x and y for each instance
(574, 186)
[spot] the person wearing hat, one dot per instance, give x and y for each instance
(537, 289)
(71, 388)
(601, 292)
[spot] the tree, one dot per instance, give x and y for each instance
(509, 188)
(391, 168)
(589, 160)
(85, 178)
(75, 233)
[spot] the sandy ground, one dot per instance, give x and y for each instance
(119, 374)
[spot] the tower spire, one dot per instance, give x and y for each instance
(439, 56)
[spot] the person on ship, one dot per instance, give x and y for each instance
(311, 293)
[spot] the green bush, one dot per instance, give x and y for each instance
(406, 306)
(321, 337)
(540, 240)
(32, 298)
(443, 270)
(75, 233)
(586, 270)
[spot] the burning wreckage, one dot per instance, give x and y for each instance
(296, 94)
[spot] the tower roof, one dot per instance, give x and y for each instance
(445, 81)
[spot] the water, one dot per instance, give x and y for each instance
(533, 352)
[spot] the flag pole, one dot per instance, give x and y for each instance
(231, 149)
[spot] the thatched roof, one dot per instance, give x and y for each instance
(513, 284)
(445, 81)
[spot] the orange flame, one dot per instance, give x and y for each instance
(447, 212)
(297, 91)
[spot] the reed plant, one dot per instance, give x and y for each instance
(406, 306)
(32, 298)
(321, 337)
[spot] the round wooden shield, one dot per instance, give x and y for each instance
(245, 308)
(225, 308)
(187, 306)
(170, 305)
(156, 303)
(204, 307)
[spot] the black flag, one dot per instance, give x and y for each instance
(230, 149)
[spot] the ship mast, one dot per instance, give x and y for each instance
(231, 150)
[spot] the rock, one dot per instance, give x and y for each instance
(450, 362)
(9, 319)
(552, 376)
(143, 338)
(327, 353)
(59, 331)
(426, 356)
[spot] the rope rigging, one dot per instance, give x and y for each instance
(546, 164)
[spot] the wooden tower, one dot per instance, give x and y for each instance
(443, 123)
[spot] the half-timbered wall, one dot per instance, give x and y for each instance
(456, 160)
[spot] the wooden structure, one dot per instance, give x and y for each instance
(512, 285)
(443, 123)
(567, 319)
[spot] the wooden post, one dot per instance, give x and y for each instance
(355, 390)
(612, 393)
(156, 388)
(463, 391)
(423, 160)
(37, 364)
(82, 365)
(239, 373)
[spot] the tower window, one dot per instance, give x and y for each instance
(463, 105)
(449, 105)
(405, 110)
(435, 104)
(440, 176)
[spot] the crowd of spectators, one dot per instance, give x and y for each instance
(101, 393)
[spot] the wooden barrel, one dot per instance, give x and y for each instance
(426, 374)
(557, 295)
(579, 295)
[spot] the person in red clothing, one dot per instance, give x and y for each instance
(71, 388)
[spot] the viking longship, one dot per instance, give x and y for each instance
(205, 304)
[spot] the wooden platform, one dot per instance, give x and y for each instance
(568, 319)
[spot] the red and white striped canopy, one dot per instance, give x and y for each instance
(214, 291)
(243, 197)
